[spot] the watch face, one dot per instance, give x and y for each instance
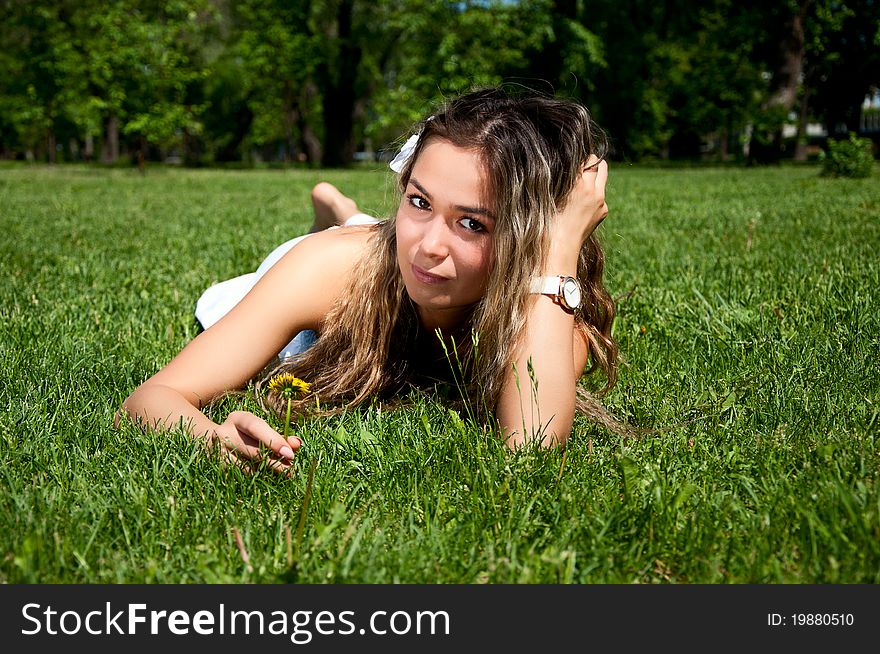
(571, 293)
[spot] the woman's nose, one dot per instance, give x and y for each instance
(435, 238)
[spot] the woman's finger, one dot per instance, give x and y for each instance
(260, 431)
(601, 174)
(231, 457)
(240, 449)
(279, 466)
(592, 162)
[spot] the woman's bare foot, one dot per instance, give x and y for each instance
(331, 206)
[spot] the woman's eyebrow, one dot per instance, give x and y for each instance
(422, 189)
(480, 211)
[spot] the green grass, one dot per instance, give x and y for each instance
(748, 323)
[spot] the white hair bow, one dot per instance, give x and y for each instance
(405, 153)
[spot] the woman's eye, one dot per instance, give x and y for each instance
(472, 225)
(418, 202)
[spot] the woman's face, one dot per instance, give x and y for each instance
(445, 234)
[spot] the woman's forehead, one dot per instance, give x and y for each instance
(455, 174)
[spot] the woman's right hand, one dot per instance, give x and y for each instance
(241, 436)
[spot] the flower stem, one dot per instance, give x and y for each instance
(287, 419)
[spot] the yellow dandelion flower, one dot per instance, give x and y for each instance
(287, 385)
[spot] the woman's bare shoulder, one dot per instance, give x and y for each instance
(314, 272)
(329, 255)
(344, 243)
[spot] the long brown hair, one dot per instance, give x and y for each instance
(533, 149)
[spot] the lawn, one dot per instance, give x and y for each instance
(748, 321)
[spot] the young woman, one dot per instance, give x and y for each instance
(491, 252)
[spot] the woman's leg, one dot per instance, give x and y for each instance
(331, 206)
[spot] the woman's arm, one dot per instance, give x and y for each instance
(294, 295)
(538, 398)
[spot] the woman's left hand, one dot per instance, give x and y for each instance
(584, 208)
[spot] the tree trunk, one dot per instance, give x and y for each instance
(50, 144)
(142, 155)
(110, 146)
(338, 126)
(309, 141)
(800, 148)
(786, 78)
(244, 118)
(551, 62)
(289, 119)
(192, 151)
(340, 97)
(89, 149)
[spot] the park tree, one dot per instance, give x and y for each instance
(328, 76)
(40, 73)
(781, 49)
(670, 73)
(100, 69)
(562, 49)
(843, 62)
(311, 68)
(357, 43)
(444, 48)
(111, 62)
(166, 109)
(821, 58)
(714, 84)
(275, 53)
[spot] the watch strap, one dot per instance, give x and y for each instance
(551, 285)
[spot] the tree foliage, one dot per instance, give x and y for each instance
(319, 80)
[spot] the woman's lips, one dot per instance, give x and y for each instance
(425, 277)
